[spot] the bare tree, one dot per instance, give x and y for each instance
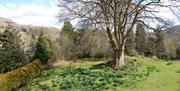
(116, 17)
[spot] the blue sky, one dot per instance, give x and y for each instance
(44, 12)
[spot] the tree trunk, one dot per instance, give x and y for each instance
(119, 57)
(117, 49)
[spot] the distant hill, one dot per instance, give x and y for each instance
(52, 32)
(6, 22)
(28, 32)
(176, 28)
(173, 32)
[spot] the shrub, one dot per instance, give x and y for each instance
(169, 63)
(178, 71)
(151, 68)
(99, 54)
(15, 78)
(45, 87)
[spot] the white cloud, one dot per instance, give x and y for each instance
(11, 5)
(166, 13)
(33, 14)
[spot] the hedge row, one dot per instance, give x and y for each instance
(16, 78)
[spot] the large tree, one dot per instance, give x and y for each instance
(116, 17)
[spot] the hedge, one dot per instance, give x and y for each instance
(16, 78)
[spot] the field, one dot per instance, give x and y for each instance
(167, 79)
(151, 75)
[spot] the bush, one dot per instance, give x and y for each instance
(16, 78)
(169, 63)
(178, 71)
(99, 54)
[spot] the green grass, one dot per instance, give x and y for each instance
(166, 76)
(166, 79)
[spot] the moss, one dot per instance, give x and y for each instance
(16, 78)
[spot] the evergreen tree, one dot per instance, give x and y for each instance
(129, 46)
(68, 30)
(67, 27)
(11, 50)
(140, 39)
(68, 38)
(44, 49)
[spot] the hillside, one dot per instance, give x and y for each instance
(5, 22)
(29, 32)
(174, 28)
(173, 31)
(172, 36)
(52, 32)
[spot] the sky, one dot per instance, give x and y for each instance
(33, 12)
(44, 12)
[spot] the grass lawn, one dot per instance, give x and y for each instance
(165, 78)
